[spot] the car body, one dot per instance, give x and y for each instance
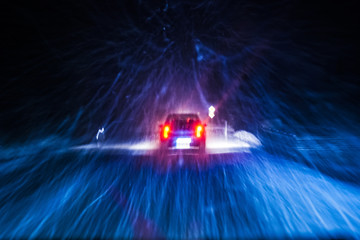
(183, 131)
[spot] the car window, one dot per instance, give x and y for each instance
(182, 124)
(182, 121)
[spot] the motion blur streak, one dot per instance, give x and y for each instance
(98, 194)
(85, 86)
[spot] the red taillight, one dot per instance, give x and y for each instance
(166, 132)
(199, 131)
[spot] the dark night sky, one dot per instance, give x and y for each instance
(48, 50)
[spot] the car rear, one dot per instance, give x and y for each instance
(183, 132)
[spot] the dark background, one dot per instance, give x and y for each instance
(293, 60)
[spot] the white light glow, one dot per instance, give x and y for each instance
(101, 130)
(221, 144)
(211, 111)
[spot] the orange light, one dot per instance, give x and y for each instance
(199, 130)
(166, 131)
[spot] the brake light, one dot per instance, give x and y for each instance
(199, 131)
(166, 131)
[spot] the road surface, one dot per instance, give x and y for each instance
(53, 191)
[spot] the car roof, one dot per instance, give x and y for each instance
(182, 116)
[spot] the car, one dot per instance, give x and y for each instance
(183, 131)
